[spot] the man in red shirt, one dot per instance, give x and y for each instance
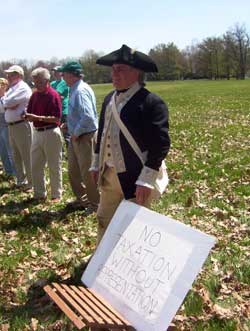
(45, 110)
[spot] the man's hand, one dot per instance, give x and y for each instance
(23, 115)
(64, 127)
(94, 175)
(142, 194)
(30, 117)
(74, 137)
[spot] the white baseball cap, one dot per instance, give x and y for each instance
(15, 68)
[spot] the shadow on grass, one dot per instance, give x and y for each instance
(4, 190)
(29, 213)
(38, 304)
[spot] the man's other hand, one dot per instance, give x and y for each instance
(142, 194)
(74, 137)
(94, 175)
(64, 127)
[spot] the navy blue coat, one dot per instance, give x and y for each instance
(146, 117)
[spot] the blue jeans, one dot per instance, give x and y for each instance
(5, 151)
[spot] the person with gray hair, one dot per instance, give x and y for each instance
(133, 137)
(82, 126)
(15, 102)
(40, 72)
(45, 110)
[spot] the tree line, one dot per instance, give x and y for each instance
(224, 57)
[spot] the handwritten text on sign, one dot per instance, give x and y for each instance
(144, 269)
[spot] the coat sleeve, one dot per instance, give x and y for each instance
(156, 126)
(156, 138)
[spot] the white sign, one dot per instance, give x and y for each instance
(145, 265)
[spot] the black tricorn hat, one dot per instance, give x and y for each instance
(127, 55)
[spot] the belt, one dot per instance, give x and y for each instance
(86, 133)
(48, 127)
(13, 123)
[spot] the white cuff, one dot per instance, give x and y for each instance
(95, 163)
(147, 177)
(141, 183)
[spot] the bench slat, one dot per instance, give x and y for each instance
(99, 310)
(100, 304)
(62, 305)
(62, 291)
(107, 306)
(84, 302)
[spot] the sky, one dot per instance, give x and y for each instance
(47, 29)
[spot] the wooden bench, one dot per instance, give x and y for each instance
(85, 308)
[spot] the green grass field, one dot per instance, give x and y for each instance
(209, 169)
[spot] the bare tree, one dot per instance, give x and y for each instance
(94, 73)
(189, 55)
(237, 46)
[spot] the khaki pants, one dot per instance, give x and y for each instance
(47, 148)
(20, 141)
(80, 153)
(111, 196)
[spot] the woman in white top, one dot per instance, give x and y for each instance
(5, 150)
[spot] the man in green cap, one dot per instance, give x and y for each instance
(117, 168)
(82, 123)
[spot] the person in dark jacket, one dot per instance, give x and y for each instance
(116, 167)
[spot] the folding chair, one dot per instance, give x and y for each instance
(85, 308)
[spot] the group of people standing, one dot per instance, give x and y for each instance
(34, 123)
(103, 166)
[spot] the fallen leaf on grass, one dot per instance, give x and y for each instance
(225, 289)
(11, 252)
(237, 297)
(216, 265)
(205, 295)
(33, 254)
(88, 243)
(180, 318)
(25, 211)
(34, 324)
(57, 326)
(12, 233)
(5, 327)
(66, 239)
(229, 277)
(222, 312)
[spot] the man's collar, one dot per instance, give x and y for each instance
(133, 87)
(121, 91)
(75, 84)
(16, 82)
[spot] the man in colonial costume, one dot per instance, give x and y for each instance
(119, 171)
